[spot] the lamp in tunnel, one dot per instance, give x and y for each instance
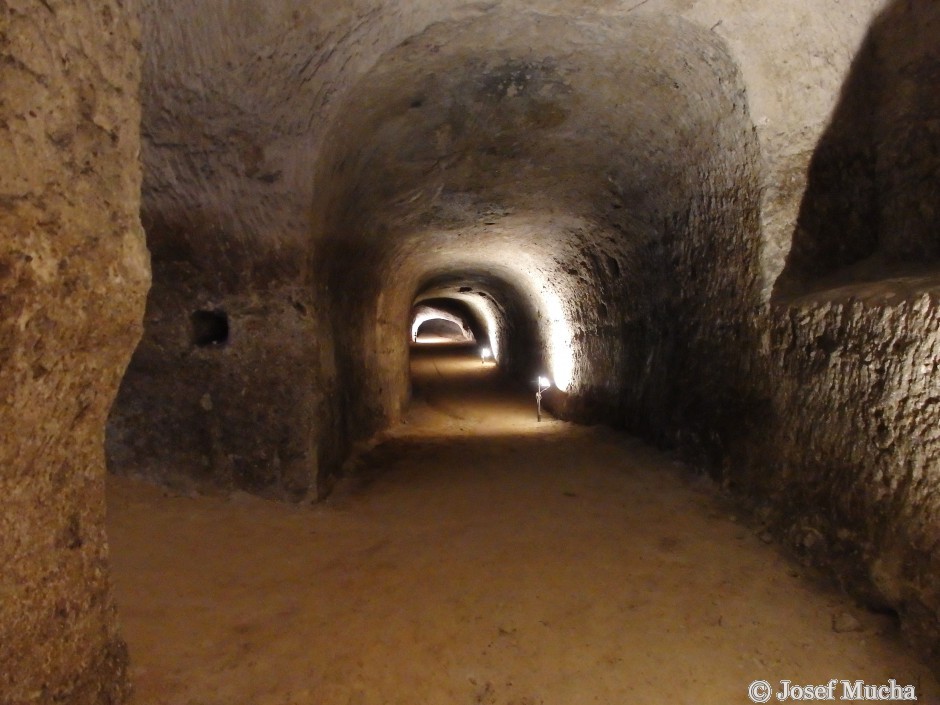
(485, 354)
(543, 384)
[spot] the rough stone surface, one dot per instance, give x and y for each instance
(611, 188)
(305, 148)
(73, 273)
(850, 461)
(239, 411)
(850, 456)
(874, 180)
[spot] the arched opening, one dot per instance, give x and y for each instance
(438, 323)
(588, 184)
(440, 330)
(629, 254)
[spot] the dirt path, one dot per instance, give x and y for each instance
(490, 559)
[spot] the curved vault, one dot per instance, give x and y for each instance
(501, 312)
(311, 168)
(439, 317)
(580, 167)
(585, 164)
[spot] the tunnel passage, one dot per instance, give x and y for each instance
(500, 315)
(445, 322)
(441, 330)
(601, 163)
(625, 184)
(593, 169)
(602, 167)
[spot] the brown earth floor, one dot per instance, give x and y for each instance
(484, 558)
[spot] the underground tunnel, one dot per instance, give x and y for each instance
(437, 326)
(711, 226)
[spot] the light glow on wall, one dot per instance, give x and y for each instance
(560, 342)
(425, 314)
(485, 310)
(541, 294)
(420, 319)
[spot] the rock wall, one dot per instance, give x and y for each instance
(251, 411)
(869, 207)
(244, 407)
(705, 392)
(73, 274)
(907, 137)
(624, 181)
(848, 471)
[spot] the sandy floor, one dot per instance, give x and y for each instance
(485, 559)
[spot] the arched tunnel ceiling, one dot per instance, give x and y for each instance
(587, 155)
(240, 96)
(500, 313)
(446, 316)
(511, 112)
(546, 150)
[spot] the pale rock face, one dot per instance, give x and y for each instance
(74, 271)
(711, 222)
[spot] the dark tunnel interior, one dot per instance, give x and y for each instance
(711, 226)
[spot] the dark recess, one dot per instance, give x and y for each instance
(209, 328)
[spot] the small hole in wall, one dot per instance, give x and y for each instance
(209, 328)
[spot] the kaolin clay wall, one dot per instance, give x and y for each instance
(847, 468)
(849, 473)
(251, 411)
(874, 180)
(73, 274)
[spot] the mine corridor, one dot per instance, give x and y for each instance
(518, 352)
(480, 557)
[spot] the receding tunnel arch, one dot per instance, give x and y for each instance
(308, 167)
(442, 329)
(500, 309)
(445, 320)
(602, 165)
(606, 169)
